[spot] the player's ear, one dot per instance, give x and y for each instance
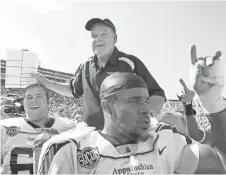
(105, 105)
(115, 38)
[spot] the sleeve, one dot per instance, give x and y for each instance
(186, 155)
(153, 87)
(58, 158)
(67, 125)
(76, 83)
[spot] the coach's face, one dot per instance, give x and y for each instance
(104, 39)
(36, 104)
(131, 111)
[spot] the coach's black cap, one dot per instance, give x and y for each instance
(105, 21)
(119, 82)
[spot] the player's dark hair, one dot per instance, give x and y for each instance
(37, 85)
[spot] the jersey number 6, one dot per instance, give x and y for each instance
(17, 166)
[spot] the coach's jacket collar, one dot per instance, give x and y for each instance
(113, 60)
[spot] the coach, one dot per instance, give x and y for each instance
(107, 60)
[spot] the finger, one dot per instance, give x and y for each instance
(183, 84)
(217, 55)
(209, 61)
(202, 61)
(178, 96)
(193, 54)
(198, 69)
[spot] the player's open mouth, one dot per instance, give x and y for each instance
(145, 119)
(99, 45)
(34, 107)
(145, 122)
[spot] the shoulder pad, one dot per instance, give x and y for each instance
(17, 123)
(63, 124)
(77, 134)
(12, 122)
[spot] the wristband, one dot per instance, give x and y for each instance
(188, 110)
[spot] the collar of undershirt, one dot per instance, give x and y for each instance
(114, 142)
(49, 124)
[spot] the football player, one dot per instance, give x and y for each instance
(18, 134)
(125, 145)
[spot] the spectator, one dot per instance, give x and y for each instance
(107, 60)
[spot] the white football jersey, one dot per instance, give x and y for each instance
(17, 139)
(86, 151)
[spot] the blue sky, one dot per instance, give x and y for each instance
(158, 33)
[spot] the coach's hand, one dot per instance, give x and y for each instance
(39, 78)
(207, 79)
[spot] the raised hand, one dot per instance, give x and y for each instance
(39, 78)
(187, 95)
(207, 79)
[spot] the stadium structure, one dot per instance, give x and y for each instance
(54, 75)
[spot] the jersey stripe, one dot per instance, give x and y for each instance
(48, 156)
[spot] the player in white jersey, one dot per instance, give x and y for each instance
(18, 134)
(125, 145)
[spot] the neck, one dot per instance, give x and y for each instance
(41, 123)
(110, 129)
(104, 58)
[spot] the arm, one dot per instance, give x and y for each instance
(186, 99)
(156, 93)
(210, 93)
(153, 87)
(192, 125)
(58, 158)
(60, 88)
(218, 129)
(209, 161)
(74, 88)
(196, 158)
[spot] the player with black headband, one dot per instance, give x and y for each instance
(126, 145)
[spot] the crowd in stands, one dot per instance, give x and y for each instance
(72, 108)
